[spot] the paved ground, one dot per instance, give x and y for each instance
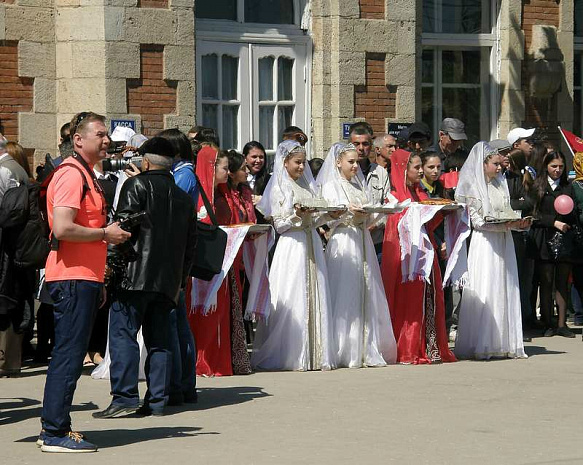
(501, 412)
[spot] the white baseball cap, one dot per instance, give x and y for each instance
(519, 133)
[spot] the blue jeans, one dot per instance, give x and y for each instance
(183, 348)
(130, 311)
(75, 305)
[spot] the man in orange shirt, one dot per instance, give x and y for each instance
(75, 272)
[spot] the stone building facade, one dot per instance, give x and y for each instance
(252, 67)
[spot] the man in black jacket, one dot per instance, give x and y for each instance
(165, 245)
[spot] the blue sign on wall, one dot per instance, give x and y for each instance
(346, 130)
(126, 123)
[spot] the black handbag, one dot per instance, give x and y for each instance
(211, 243)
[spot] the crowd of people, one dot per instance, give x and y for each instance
(385, 251)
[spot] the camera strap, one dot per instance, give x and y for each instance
(206, 202)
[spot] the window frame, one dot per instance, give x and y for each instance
(489, 75)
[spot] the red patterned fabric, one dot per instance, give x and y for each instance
(417, 308)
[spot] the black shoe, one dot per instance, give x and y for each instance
(549, 332)
(565, 332)
(114, 411)
(146, 411)
(175, 399)
(191, 397)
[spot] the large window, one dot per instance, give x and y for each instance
(252, 80)
(458, 46)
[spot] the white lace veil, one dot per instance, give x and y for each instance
(277, 199)
(330, 180)
(472, 187)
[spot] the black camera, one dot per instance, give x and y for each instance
(114, 164)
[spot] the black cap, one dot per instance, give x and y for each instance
(157, 146)
(417, 130)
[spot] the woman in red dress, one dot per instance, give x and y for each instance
(417, 307)
(220, 335)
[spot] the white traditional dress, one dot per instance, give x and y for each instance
(298, 334)
(490, 324)
(362, 323)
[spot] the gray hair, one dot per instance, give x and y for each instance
(159, 160)
(379, 141)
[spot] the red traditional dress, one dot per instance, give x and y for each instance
(220, 335)
(417, 307)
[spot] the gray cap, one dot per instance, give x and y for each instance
(455, 128)
(500, 145)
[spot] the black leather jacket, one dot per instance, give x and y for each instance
(165, 242)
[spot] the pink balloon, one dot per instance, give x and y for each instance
(564, 204)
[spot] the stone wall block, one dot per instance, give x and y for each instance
(122, 60)
(400, 10)
(321, 67)
(342, 97)
(36, 129)
(80, 94)
(36, 59)
(511, 110)
(186, 98)
(2, 22)
(512, 44)
(64, 60)
(184, 123)
(122, 3)
(369, 36)
(34, 24)
(351, 68)
(178, 63)
(80, 24)
(400, 69)
(185, 30)
(405, 104)
(321, 96)
(406, 34)
(114, 23)
(345, 8)
(181, 4)
(150, 26)
(511, 74)
(116, 96)
(45, 95)
(88, 59)
(65, 3)
(36, 3)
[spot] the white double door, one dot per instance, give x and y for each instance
(251, 91)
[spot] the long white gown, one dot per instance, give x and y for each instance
(362, 323)
(298, 334)
(490, 324)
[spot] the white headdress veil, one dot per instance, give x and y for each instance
(330, 180)
(472, 187)
(277, 199)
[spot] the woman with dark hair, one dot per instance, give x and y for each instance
(257, 175)
(16, 151)
(552, 272)
(180, 143)
(220, 335)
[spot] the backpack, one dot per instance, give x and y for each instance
(23, 231)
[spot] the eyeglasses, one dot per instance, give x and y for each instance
(80, 117)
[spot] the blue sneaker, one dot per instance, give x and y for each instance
(42, 435)
(72, 442)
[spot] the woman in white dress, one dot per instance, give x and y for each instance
(298, 334)
(490, 318)
(362, 323)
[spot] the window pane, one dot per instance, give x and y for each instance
(427, 66)
(456, 16)
(230, 73)
(284, 119)
(216, 9)
(229, 137)
(210, 76)
(579, 18)
(461, 66)
(269, 11)
(427, 107)
(285, 68)
(266, 79)
(464, 104)
(266, 127)
(209, 116)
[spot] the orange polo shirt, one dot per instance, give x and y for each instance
(76, 260)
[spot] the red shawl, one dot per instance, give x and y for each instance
(399, 161)
(239, 200)
(205, 170)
